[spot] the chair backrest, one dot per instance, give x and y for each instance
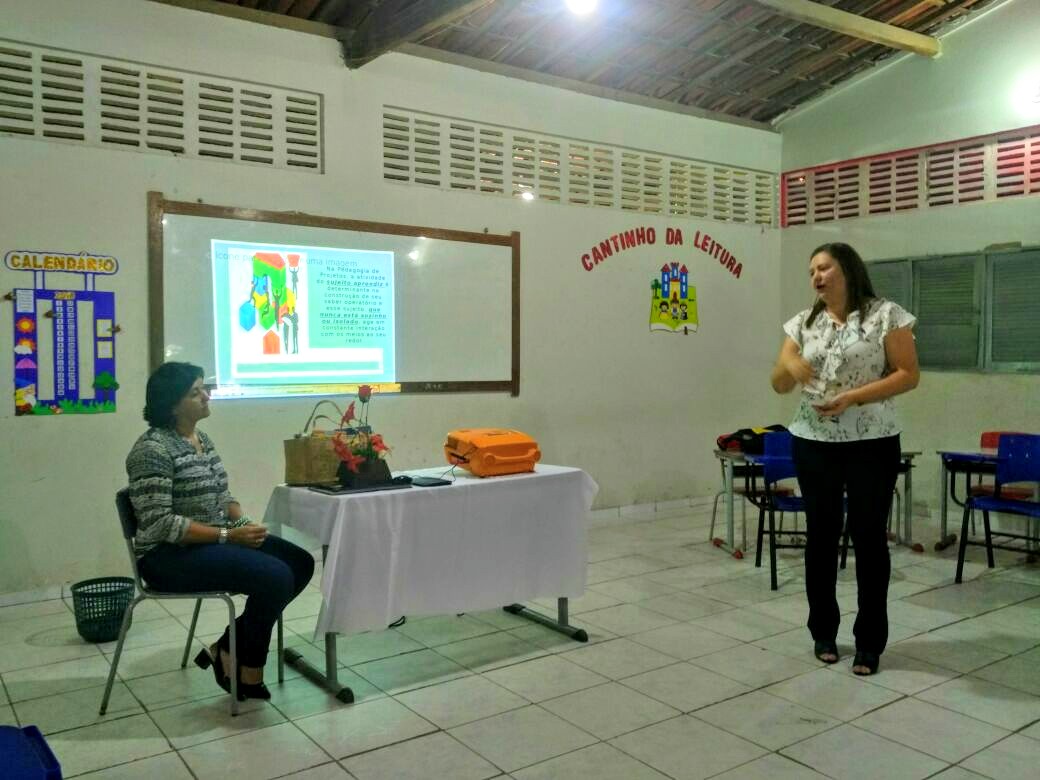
(127, 516)
(990, 440)
(778, 463)
(1018, 458)
(128, 520)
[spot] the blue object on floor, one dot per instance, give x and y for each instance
(25, 755)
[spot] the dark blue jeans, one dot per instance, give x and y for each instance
(270, 576)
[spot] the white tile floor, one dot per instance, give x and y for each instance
(694, 669)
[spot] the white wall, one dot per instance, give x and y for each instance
(637, 410)
(915, 102)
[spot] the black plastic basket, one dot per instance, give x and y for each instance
(99, 605)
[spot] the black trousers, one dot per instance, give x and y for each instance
(865, 471)
(270, 576)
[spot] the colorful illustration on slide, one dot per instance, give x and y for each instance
(271, 311)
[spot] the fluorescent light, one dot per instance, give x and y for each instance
(581, 7)
(528, 195)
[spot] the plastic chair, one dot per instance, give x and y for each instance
(778, 465)
(740, 471)
(990, 440)
(1018, 460)
(128, 520)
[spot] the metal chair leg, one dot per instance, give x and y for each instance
(233, 652)
(963, 545)
(123, 628)
(191, 633)
(761, 530)
(772, 552)
(989, 539)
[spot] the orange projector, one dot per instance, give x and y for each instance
(491, 452)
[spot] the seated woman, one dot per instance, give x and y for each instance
(192, 535)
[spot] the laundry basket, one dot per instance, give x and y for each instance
(99, 605)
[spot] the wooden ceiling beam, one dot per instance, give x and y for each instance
(395, 22)
(789, 71)
(855, 26)
(233, 11)
(794, 95)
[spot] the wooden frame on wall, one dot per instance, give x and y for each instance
(158, 207)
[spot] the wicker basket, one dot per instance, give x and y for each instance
(99, 605)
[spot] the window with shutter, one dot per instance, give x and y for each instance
(891, 280)
(947, 302)
(1013, 307)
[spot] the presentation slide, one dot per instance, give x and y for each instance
(290, 316)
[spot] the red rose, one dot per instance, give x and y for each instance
(364, 393)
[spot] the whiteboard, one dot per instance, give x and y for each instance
(456, 296)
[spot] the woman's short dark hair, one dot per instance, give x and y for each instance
(859, 290)
(167, 385)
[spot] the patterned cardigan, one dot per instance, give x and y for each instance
(172, 485)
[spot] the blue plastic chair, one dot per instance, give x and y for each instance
(1018, 460)
(777, 465)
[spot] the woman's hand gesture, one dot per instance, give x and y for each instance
(248, 535)
(799, 369)
(835, 406)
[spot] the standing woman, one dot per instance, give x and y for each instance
(192, 535)
(851, 353)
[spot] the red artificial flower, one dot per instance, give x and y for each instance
(364, 393)
(352, 461)
(377, 443)
(341, 447)
(347, 415)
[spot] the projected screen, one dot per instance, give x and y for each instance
(297, 315)
(273, 304)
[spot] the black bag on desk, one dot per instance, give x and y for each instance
(750, 441)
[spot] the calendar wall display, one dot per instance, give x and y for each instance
(64, 340)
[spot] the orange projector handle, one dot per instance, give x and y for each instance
(492, 459)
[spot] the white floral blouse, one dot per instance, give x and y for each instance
(844, 357)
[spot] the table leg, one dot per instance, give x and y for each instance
(945, 538)
(729, 503)
(561, 624)
(908, 509)
(330, 680)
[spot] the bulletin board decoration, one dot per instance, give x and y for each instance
(61, 335)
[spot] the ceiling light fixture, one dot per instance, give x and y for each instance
(581, 7)
(527, 195)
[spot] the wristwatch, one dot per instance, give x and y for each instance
(223, 537)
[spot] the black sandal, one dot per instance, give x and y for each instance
(204, 661)
(870, 660)
(820, 649)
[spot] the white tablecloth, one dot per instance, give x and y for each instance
(477, 544)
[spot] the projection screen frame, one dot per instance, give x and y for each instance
(158, 207)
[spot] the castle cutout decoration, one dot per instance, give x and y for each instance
(673, 301)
